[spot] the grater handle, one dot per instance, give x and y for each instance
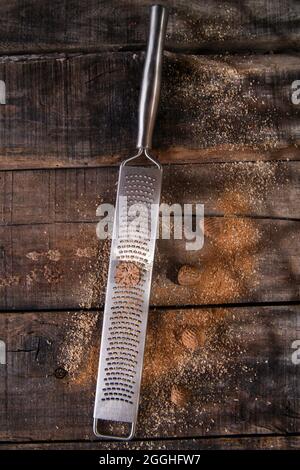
(150, 89)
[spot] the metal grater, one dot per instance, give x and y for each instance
(133, 245)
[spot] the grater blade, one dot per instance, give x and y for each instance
(126, 308)
(131, 259)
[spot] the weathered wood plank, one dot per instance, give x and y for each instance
(81, 110)
(91, 24)
(207, 443)
(59, 265)
(51, 258)
(252, 189)
(240, 380)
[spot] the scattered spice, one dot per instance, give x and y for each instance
(76, 344)
(87, 252)
(210, 375)
(220, 97)
(190, 27)
(244, 187)
(9, 281)
(51, 274)
(52, 255)
(31, 277)
(33, 255)
(93, 277)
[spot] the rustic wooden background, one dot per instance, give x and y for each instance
(228, 135)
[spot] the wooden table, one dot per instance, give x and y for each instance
(221, 367)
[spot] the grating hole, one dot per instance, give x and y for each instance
(128, 302)
(117, 399)
(119, 370)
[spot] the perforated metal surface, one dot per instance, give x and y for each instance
(127, 295)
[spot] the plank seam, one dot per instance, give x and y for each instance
(66, 310)
(165, 165)
(211, 216)
(211, 51)
(164, 438)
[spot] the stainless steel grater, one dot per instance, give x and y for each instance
(131, 260)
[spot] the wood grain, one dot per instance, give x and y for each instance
(81, 109)
(250, 189)
(102, 25)
(60, 265)
(51, 258)
(71, 102)
(242, 381)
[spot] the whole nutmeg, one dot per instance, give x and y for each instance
(179, 396)
(188, 276)
(193, 338)
(127, 274)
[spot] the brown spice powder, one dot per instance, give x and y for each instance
(95, 277)
(188, 383)
(74, 350)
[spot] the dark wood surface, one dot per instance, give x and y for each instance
(228, 136)
(45, 25)
(263, 269)
(51, 253)
(241, 380)
(81, 109)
